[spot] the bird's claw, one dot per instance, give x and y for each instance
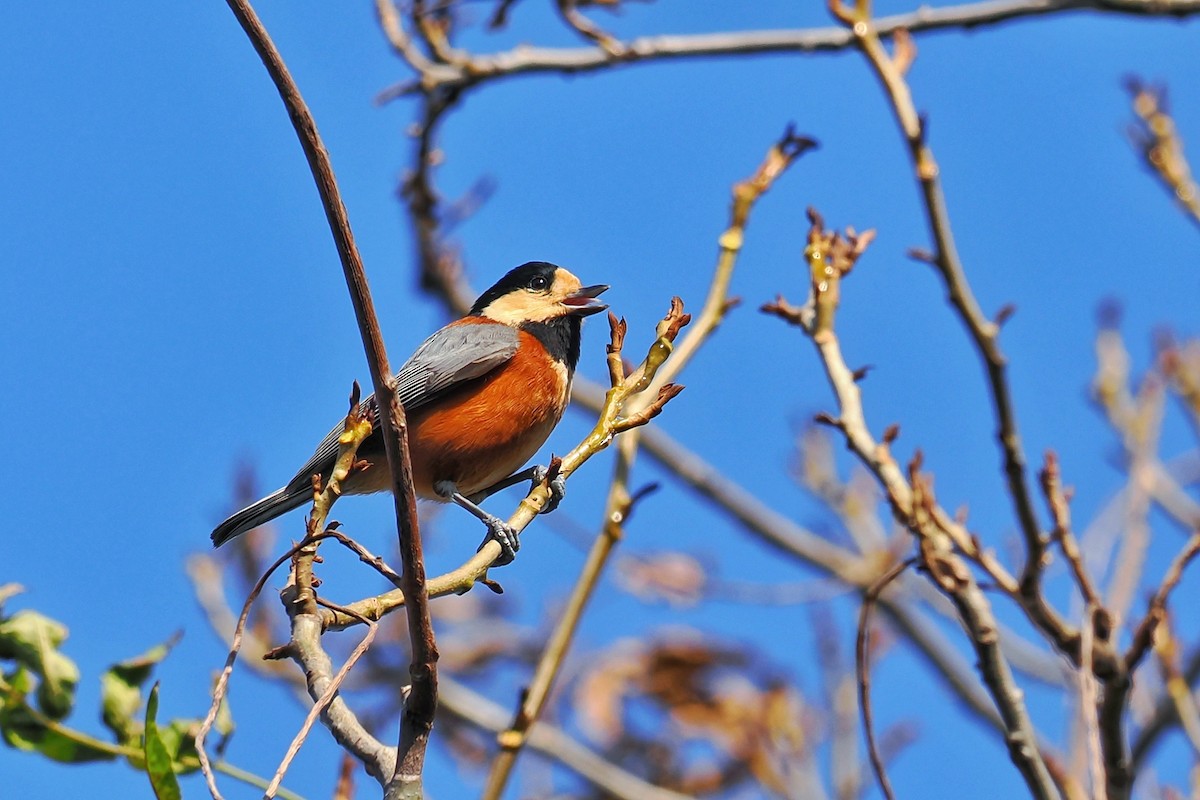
(558, 487)
(504, 535)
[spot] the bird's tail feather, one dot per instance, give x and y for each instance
(255, 514)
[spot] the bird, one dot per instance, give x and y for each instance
(481, 396)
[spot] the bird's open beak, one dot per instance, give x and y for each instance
(583, 302)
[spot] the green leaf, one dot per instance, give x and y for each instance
(24, 728)
(159, 763)
(33, 640)
(18, 683)
(180, 739)
(121, 690)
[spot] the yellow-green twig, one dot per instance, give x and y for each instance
(653, 377)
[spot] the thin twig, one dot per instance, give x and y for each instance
(1058, 504)
(830, 258)
(1161, 146)
(1119, 773)
(863, 669)
(392, 24)
(222, 685)
(1144, 632)
(439, 270)
(1165, 716)
(355, 430)
(569, 11)
(343, 724)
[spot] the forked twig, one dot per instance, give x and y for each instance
(323, 701)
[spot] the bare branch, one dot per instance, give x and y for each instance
(544, 738)
(913, 505)
(1060, 512)
(422, 701)
(569, 11)
(1143, 634)
(525, 60)
(984, 332)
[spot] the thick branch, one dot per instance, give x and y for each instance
(305, 648)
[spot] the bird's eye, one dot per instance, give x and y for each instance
(539, 283)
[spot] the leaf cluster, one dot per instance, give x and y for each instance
(37, 694)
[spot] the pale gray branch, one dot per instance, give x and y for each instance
(477, 710)
(305, 649)
(524, 60)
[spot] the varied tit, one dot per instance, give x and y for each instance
(481, 397)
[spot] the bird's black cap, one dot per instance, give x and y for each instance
(522, 277)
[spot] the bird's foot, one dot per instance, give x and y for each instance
(558, 486)
(504, 535)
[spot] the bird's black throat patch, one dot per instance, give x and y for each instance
(560, 336)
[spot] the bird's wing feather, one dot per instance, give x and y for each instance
(448, 358)
(455, 354)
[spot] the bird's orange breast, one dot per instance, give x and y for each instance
(488, 429)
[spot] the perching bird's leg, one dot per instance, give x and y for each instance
(535, 475)
(498, 529)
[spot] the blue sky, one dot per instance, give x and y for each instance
(174, 305)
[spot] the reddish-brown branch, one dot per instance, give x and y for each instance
(422, 702)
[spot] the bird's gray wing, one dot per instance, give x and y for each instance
(455, 354)
(452, 356)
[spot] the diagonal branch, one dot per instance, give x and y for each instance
(553, 742)
(830, 258)
(863, 670)
(779, 157)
